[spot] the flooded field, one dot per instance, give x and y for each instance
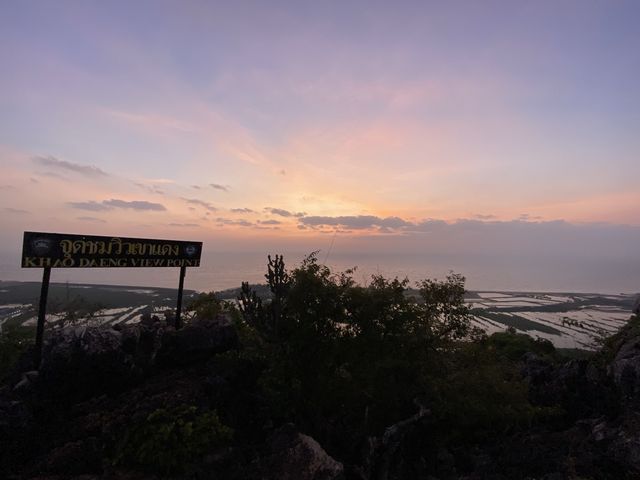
(569, 320)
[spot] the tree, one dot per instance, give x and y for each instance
(357, 356)
(278, 281)
(251, 306)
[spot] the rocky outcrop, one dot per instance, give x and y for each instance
(82, 362)
(625, 368)
(197, 342)
(96, 382)
(295, 456)
(582, 388)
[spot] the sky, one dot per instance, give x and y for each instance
(486, 128)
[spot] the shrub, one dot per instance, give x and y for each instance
(169, 440)
(14, 341)
(205, 305)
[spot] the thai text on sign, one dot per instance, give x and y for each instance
(58, 250)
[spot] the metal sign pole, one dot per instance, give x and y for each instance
(42, 310)
(183, 272)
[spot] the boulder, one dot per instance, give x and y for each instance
(78, 457)
(197, 341)
(14, 417)
(82, 362)
(625, 367)
(17, 427)
(581, 387)
(295, 456)
(78, 363)
(27, 383)
(619, 441)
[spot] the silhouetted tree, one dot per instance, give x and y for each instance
(279, 281)
(251, 306)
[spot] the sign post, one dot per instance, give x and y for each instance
(42, 309)
(59, 250)
(183, 272)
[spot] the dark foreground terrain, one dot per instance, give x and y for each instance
(327, 380)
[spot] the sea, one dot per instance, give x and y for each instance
(223, 270)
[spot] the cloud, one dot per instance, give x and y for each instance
(261, 227)
(269, 222)
(16, 211)
(228, 221)
(91, 206)
(484, 217)
(197, 187)
(242, 210)
(525, 217)
(428, 226)
(400, 225)
(150, 188)
(135, 205)
(7, 187)
(217, 186)
(284, 213)
(357, 222)
(91, 219)
(183, 225)
(203, 204)
(51, 175)
(94, 206)
(86, 170)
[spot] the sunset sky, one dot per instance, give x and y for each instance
(395, 124)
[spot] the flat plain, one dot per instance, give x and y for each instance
(568, 320)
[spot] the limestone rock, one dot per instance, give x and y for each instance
(197, 341)
(295, 456)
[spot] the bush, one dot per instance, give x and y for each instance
(14, 341)
(169, 440)
(347, 360)
(344, 362)
(205, 305)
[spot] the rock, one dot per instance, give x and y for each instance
(397, 455)
(620, 442)
(79, 363)
(197, 341)
(17, 426)
(27, 384)
(625, 367)
(79, 457)
(14, 417)
(636, 306)
(295, 456)
(581, 387)
(148, 320)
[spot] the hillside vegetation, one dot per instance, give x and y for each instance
(325, 379)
